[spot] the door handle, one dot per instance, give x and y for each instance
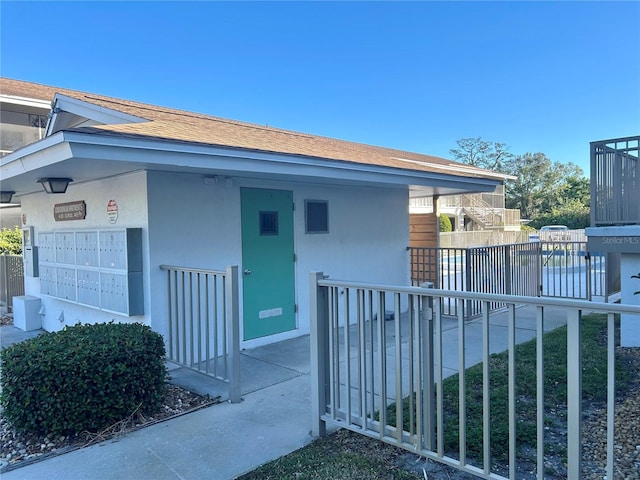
(246, 271)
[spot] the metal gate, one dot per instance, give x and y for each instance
(549, 269)
(11, 278)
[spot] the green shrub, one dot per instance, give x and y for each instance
(445, 223)
(85, 377)
(11, 241)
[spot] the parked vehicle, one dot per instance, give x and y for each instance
(554, 233)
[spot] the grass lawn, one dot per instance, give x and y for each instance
(342, 455)
(594, 384)
(348, 456)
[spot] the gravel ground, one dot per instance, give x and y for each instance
(16, 448)
(627, 430)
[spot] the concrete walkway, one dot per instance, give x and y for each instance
(218, 442)
(227, 440)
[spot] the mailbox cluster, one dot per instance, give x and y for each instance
(97, 268)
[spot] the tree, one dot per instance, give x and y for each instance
(563, 181)
(482, 154)
(528, 190)
(541, 185)
(11, 241)
(577, 188)
(573, 214)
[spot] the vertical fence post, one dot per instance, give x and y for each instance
(587, 261)
(538, 256)
(319, 357)
(169, 316)
(427, 368)
(574, 394)
(4, 260)
(508, 272)
(233, 329)
(468, 285)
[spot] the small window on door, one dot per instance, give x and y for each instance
(268, 223)
(316, 216)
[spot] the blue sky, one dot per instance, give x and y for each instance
(539, 76)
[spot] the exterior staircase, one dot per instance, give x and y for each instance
(481, 212)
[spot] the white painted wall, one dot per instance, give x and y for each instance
(10, 216)
(630, 324)
(195, 224)
(192, 223)
(626, 240)
(129, 191)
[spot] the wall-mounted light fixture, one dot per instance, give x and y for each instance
(55, 185)
(6, 196)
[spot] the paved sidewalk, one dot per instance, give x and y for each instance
(218, 442)
(227, 440)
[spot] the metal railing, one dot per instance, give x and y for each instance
(553, 269)
(370, 375)
(11, 278)
(204, 326)
(504, 269)
(568, 270)
(476, 238)
(615, 182)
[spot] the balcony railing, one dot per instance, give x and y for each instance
(615, 182)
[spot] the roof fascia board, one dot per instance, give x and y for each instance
(253, 167)
(248, 161)
(51, 151)
(27, 102)
(88, 111)
(32, 148)
(462, 169)
(64, 145)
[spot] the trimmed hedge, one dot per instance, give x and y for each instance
(85, 377)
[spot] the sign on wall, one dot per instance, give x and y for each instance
(70, 211)
(112, 211)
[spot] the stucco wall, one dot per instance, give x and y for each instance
(367, 240)
(190, 222)
(129, 191)
(630, 324)
(194, 223)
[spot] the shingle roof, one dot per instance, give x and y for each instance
(177, 125)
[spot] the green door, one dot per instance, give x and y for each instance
(267, 262)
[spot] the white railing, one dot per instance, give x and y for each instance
(364, 367)
(204, 328)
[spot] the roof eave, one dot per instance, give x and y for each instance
(76, 153)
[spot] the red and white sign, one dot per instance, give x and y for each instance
(112, 211)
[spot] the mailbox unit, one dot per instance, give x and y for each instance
(97, 268)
